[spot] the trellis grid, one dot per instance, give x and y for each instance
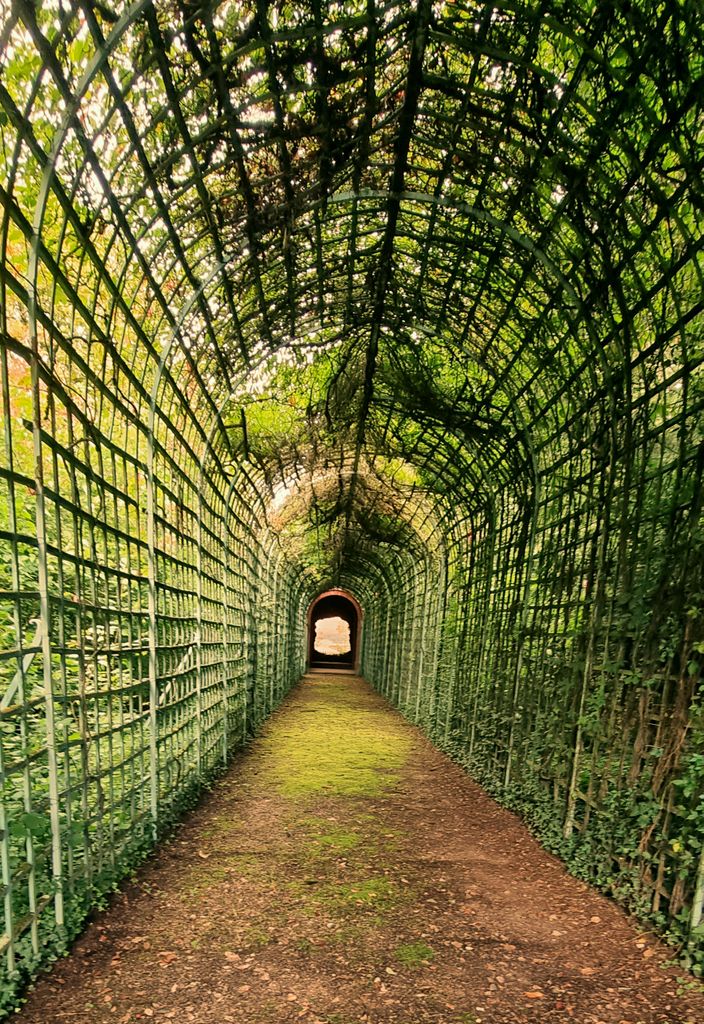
(400, 297)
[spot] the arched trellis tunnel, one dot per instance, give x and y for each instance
(400, 299)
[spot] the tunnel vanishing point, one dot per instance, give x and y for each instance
(402, 300)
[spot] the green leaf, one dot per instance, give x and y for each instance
(30, 824)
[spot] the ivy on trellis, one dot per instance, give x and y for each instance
(399, 297)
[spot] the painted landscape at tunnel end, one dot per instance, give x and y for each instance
(397, 302)
(336, 615)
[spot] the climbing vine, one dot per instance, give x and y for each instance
(403, 298)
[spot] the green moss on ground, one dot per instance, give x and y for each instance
(255, 938)
(336, 841)
(331, 860)
(336, 746)
(413, 954)
(321, 840)
(221, 826)
(201, 877)
(379, 893)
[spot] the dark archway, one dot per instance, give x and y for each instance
(327, 607)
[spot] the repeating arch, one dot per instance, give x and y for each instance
(403, 299)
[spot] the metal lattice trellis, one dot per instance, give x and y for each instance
(401, 297)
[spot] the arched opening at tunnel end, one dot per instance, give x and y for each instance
(334, 631)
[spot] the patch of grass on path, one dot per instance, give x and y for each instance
(334, 841)
(335, 745)
(413, 954)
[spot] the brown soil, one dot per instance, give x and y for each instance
(344, 871)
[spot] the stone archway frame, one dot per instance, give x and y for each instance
(336, 592)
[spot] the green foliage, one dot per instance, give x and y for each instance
(414, 954)
(277, 320)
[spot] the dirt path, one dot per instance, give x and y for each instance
(344, 871)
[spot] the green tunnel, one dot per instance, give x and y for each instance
(398, 298)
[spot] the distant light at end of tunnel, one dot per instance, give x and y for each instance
(332, 636)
